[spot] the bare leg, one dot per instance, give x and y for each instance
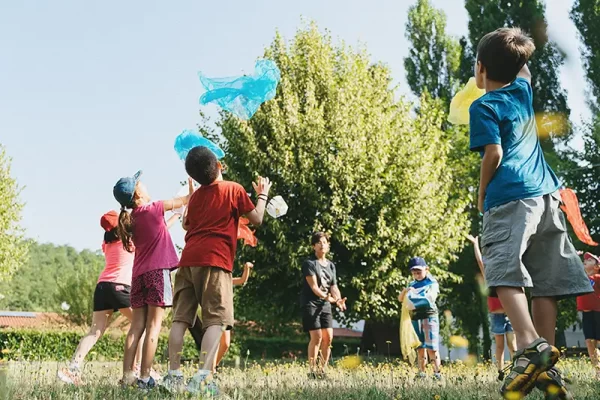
(544, 310)
(210, 347)
(99, 324)
(223, 347)
(515, 304)
(313, 348)
(434, 357)
(136, 330)
(591, 346)
(511, 341)
(326, 338)
(153, 325)
(499, 339)
(176, 344)
(127, 313)
(422, 359)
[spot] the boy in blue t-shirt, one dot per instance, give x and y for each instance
(524, 240)
(422, 294)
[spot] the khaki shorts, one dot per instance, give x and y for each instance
(525, 243)
(208, 287)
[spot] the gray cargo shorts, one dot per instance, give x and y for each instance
(525, 243)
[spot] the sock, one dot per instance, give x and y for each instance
(175, 372)
(145, 380)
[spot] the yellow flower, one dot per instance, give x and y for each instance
(437, 397)
(6, 351)
(513, 396)
(553, 390)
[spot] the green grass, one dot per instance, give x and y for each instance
(31, 381)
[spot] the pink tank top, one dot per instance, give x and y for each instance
(119, 264)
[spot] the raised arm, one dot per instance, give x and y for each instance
(262, 187)
(245, 275)
(178, 202)
(172, 220)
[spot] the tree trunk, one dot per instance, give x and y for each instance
(381, 338)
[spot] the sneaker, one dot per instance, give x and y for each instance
(70, 376)
(200, 384)
(151, 384)
(421, 375)
(437, 376)
(173, 383)
(313, 375)
(553, 385)
(527, 365)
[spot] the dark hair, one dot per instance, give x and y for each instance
(111, 236)
(316, 237)
(202, 165)
(504, 52)
(125, 230)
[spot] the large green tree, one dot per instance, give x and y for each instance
(586, 16)
(434, 57)
(349, 159)
(13, 248)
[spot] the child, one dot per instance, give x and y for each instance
(111, 294)
(499, 323)
(524, 240)
(589, 305)
(155, 256)
(422, 293)
(204, 275)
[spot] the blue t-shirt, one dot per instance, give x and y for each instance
(505, 117)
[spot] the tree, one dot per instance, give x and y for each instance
(586, 16)
(13, 247)
(434, 58)
(351, 160)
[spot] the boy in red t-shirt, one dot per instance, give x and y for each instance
(589, 305)
(204, 275)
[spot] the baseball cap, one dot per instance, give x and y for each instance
(587, 256)
(125, 188)
(416, 263)
(109, 221)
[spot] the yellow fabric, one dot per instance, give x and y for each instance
(409, 340)
(459, 106)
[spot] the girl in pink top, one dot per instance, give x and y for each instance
(151, 291)
(111, 294)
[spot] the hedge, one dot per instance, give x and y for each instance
(30, 345)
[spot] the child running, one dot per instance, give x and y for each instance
(422, 293)
(524, 240)
(589, 305)
(499, 322)
(155, 257)
(111, 294)
(204, 277)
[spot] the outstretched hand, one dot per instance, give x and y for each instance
(262, 185)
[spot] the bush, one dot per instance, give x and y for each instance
(29, 345)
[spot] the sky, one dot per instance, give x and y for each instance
(92, 91)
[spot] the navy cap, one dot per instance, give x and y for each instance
(125, 188)
(417, 263)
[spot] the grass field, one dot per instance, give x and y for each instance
(289, 381)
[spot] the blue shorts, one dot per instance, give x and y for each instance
(499, 324)
(428, 331)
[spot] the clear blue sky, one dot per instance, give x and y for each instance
(91, 91)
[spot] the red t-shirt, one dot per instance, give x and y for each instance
(212, 218)
(591, 301)
(494, 304)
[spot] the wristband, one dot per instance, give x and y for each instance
(263, 197)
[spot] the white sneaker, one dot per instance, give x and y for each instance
(200, 385)
(173, 383)
(70, 376)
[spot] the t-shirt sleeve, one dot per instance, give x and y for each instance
(242, 201)
(597, 284)
(158, 208)
(484, 126)
(308, 269)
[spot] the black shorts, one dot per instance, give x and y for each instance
(316, 317)
(591, 325)
(111, 296)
